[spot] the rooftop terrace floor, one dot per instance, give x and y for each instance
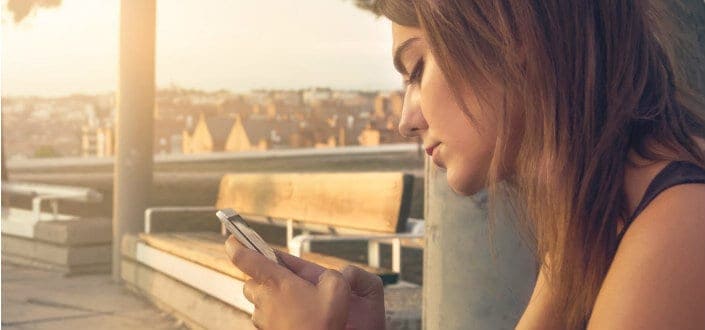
(38, 299)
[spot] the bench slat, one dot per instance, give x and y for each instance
(375, 202)
(207, 249)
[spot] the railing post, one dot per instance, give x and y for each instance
(289, 230)
(396, 255)
(465, 286)
(37, 207)
(54, 208)
(373, 253)
(307, 245)
(135, 113)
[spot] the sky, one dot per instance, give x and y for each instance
(236, 45)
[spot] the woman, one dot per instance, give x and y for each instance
(574, 106)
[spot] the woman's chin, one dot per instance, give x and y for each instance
(464, 184)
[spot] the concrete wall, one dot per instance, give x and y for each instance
(384, 157)
(474, 277)
(193, 180)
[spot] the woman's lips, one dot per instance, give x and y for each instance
(433, 152)
(429, 150)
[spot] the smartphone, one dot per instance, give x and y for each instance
(237, 226)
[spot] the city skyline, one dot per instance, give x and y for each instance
(264, 45)
(189, 121)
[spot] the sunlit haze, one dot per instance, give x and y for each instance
(214, 44)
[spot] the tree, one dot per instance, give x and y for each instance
(46, 151)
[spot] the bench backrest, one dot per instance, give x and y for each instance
(375, 202)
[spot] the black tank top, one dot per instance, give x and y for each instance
(673, 174)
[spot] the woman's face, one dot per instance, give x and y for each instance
(455, 143)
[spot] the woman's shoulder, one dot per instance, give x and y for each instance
(679, 208)
(661, 176)
(671, 208)
(656, 277)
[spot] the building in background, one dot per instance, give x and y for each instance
(210, 134)
(248, 135)
(97, 141)
(225, 133)
(192, 121)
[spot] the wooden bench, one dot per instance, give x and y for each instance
(67, 243)
(370, 207)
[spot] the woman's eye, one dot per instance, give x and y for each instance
(416, 73)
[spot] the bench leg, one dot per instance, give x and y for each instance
(373, 253)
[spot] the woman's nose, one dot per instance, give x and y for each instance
(412, 122)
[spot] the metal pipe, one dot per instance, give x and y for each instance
(135, 113)
(63, 192)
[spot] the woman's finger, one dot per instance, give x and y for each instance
(307, 270)
(361, 282)
(254, 264)
(253, 291)
(336, 294)
(256, 320)
(331, 281)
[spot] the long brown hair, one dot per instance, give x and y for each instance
(584, 83)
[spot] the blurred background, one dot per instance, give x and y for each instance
(232, 78)
(240, 87)
(311, 74)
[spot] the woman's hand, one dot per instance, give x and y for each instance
(303, 295)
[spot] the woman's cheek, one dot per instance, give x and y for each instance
(467, 175)
(458, 181)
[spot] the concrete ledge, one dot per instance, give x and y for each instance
(402, 304)
(286, 154)
(196, 309)
(62, 229)
(19, 222)
(56, 253)
(63, 269)
(64, 243)
(83, 231)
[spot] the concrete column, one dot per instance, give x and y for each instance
(5, 200)
(471, 281)
(135, 102)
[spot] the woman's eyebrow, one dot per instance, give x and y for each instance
(399, 51)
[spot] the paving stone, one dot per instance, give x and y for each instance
(24, 312)
(37, 299)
